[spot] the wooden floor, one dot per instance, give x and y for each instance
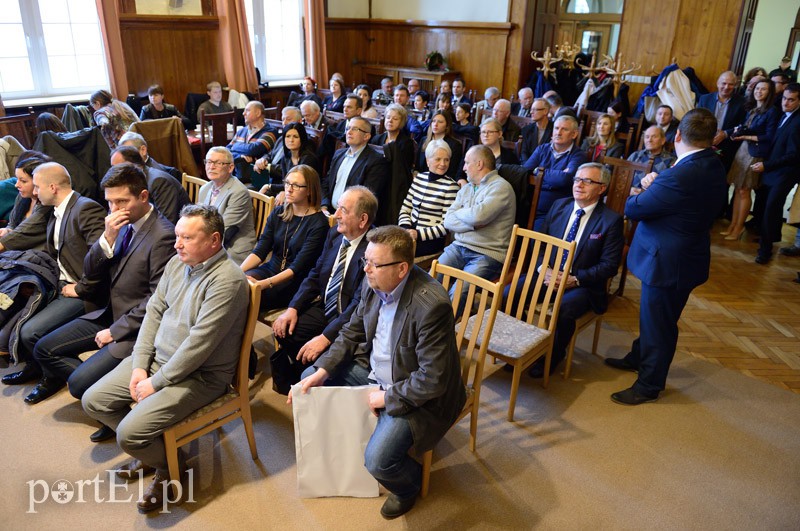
(746, 317)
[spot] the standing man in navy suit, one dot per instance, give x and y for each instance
(781, 172)
(327, 297)
(597, 256)
(671, 253)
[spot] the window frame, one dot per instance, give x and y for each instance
(258, 44)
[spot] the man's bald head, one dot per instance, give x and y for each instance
(53, 173)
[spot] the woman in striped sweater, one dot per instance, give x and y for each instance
(429, 197)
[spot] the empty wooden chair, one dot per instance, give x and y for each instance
(523, 332)
(214, 129)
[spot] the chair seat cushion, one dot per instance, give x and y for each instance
(227, 397)
(511, 337)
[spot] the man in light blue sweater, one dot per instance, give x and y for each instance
(186, 352)
(481, 219)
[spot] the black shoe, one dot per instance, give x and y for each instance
(30, 373)
(46, 388)
(629, 397)
(621, 364)
(789, 251)
(763, 259)
(395, 506)
(103, 434)
(131, 471)
(153, 496)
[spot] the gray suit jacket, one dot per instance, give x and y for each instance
(426, 367)
(131, 279)
(83, 223)
(236, 207)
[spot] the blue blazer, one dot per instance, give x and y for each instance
(314, 285)
(599, 251)
(764, 126)
(783, 162)
(671, 247)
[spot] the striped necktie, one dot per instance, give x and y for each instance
(573, 231)
(335, 285)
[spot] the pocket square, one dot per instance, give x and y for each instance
(596, 236)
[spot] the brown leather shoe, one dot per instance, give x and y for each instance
(134, 470)
(153, 497)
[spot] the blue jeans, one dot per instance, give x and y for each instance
(472, 262)
(386, 456)
(59, 311)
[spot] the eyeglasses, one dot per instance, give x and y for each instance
(293, 186)
(346, 129)
(584, 180)
(540, 109)
(487, 132)
(217, 163)
(366, 263)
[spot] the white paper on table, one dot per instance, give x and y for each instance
(332, 426)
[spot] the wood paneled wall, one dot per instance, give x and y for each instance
(477, 50)
(697, 33)
(179, 53)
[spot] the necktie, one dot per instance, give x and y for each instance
(785, 117)
(335, 285)
(573, 231)
(126, 240)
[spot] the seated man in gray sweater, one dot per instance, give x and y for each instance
(185, 355)
(481, 219)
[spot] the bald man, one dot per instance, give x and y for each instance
(502, 113)
(76, 223)
(728, 109)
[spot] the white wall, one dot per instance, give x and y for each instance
(774, 21)
(448, 10)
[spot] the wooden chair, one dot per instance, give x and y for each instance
(472, 339)
(588, 121)
(232, 405)
(275, 124)
(262, 207)
(218, 125)
(521, 121)
(20, 126)
(192, 186)
(523, 332)
(536, 182)
(516, 146)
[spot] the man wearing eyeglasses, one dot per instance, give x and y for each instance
(400, 337)
(356, 164)
(583, 218)
(540, 131)
(233, 202)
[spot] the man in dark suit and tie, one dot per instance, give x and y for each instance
(598, 230)
(330, 293)
(167, 194)
(522, 107)
(356, 164)
(75, 224)
(670, 253)
(127, 260)
(459, 92)
(401, 337)
(781, 172)
(728, 108)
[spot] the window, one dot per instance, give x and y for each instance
(277, 38)
(50, 47)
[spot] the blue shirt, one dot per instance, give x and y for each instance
(381, 359)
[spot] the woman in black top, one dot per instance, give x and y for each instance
(297, 149)
(335, 102)
(398, 149)
(26, 201)
(294, 234)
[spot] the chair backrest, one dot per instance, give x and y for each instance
(218, 126)
(262, 207)
(273, 113)
(315, 135)
(240, 379)
(536, 182)
(622, 172)
(378, 148)
(20, 126)
(275, 124)
(192, 186)
(472, 338)
(588, 119)
(543, 299)
(334, 117)
(521, 121)
(516, 147)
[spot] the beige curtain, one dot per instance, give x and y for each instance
(316, 52)
(235, 51)
(108, 13)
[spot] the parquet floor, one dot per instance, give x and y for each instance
(746, 317)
